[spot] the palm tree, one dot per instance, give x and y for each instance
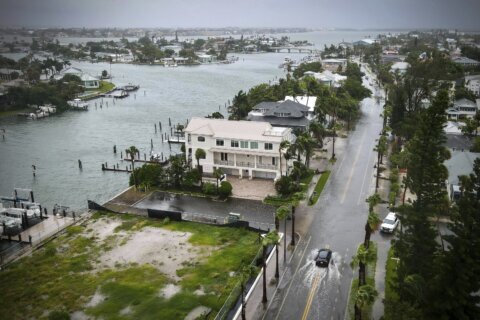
(281, 214)
(132, 151)
(361, 259)
(305, 145)
(373, 220)
(270, 238)
(200, 154)
(318, 131)
(296, 198)
(365, 296)
(284, 145)
(245, 274)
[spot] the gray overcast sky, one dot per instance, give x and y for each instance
(358, 14)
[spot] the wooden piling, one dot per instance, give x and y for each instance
(79, 164)
(115, 149)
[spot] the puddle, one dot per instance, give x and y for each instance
(169, 291)
(96, 299)
(197, 313)
(125, 311)
(311, 271)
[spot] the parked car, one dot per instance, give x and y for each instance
(390, 223)
(323, 257)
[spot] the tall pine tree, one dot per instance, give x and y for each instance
(416, 246)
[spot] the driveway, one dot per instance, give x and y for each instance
(255, 189)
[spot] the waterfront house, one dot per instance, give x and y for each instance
(401, 67)
(287, 113)
(462, 109)
(240, 148)
(88, 81)
(308, 101)
(207, 58)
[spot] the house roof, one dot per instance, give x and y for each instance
(460, 163)
(400, 66)
(247, 130)
(273, 109)
(465, 102)
(71, 70)
(308, 101)
(282, 122)
(87, 77)
(458, 142)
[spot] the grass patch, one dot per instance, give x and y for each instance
(11, 113)
(319, 187)
(370, 278)
(59, 278)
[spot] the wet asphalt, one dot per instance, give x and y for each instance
(336, 221)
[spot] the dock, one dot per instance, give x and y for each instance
(115, 168)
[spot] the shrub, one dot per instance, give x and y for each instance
(209, 189)
(476, 145)
(58, 315)
(285, 186)
(225, 189)
(394, 175)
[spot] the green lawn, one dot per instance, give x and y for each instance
(61, 277)
(319, 187)
(367, 312)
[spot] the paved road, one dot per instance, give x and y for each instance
(337, 221)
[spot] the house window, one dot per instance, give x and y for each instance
(254, 145)
(234, 144)
(189, 137)
(223, 156)
(268, 146)
(201, 139)
(220, 143)
(274, 161)
(244, 144)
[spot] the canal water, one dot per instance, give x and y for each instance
(55, 144)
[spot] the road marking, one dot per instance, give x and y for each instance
(293, 276)
(365, 175)
(311, 295)
(353, 167)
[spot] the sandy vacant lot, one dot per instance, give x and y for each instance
(166, 250)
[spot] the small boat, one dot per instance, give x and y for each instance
(78, 104)
(130, 87)
(120, 94)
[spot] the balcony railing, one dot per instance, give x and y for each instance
(224, 163)
(266, 166)
(245, 164)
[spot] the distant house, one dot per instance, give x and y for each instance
(465, 62)
(460, 163)
(281, 114)
(327, 78)
(462, 109)
(334, 64)
(207, 58)
(88, 81)
(365, 42)
(472, 83)
(401, 67)
(7, 74)
(239, 148)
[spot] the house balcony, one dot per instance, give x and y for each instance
(245, 164)
(224, 163)
(267, 166)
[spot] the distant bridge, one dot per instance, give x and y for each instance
(295, 49)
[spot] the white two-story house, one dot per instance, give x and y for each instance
(241, 148)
